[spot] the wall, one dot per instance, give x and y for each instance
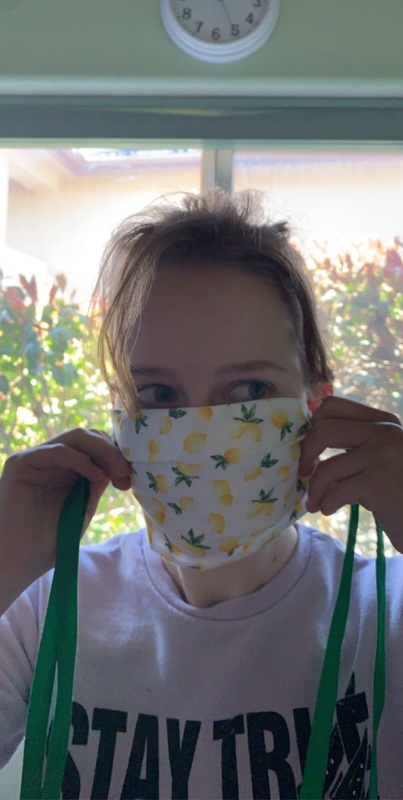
(330, 47)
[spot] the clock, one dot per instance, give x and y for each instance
(219, 30)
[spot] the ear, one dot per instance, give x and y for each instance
(318, 395)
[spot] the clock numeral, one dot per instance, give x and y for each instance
(234, 30)
(250, 18)
(186, 13)
(216, 34)
(199, 24)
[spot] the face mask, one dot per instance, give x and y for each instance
(215, 483)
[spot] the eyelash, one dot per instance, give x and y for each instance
(268, 387)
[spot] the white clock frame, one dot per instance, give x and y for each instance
(219, 52)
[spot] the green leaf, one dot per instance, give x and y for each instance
(176, 413)
(63, 374)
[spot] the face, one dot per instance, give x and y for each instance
(214, 335)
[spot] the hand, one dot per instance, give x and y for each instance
(370, 472)
(33, 487)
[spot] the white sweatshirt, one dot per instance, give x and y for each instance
(175, 701)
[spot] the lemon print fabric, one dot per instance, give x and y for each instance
(216, 483)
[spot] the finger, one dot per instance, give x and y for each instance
(334, 407)
(345, 435)
(98, 446)
(36, 464)
(346, 492)
(332, 470)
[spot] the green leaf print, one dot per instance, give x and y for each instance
(287, 428)
(140, 422)
(268, 461)
(300, 486)
(221, 461)
(175, 507)
(195, 541)
(182, 478)
(293, 515)
(176, 413)
(153, 483)
(266, 497)
(168, 543)
(248, 415)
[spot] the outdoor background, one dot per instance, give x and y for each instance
(57, 210)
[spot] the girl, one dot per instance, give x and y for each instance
(201, 638)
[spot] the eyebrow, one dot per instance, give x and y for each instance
(227, 369)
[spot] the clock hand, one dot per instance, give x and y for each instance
(226, 11)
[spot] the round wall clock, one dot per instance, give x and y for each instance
(219, 30)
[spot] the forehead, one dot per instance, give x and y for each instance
(212, 311)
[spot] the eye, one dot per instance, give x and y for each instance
(250, 390)
(156, 394)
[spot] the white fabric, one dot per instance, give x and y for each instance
(171, 700)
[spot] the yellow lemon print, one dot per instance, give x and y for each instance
(228, 545)
(191, 470)
(160, 511)
(172, 547)
(246, 546)
(157, 482)
(161, 482)
(217, 523)
(261, 508)
(253, 473)
(153, 449)
(194, 442)
(283, 473)
(223, 489)
(127, 453)
(205, 413)
(195, 544)
(249, 429)
(295, 450)
(281, 421)
(185, 503)
(166, 425)
(233, 455)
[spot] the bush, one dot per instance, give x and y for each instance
(50, 382)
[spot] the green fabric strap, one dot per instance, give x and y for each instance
(313, 785)
(59, 642)
(58, 645)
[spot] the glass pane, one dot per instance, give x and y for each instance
(345, 211)
(57, 210)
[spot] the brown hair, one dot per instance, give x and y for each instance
(213, 226)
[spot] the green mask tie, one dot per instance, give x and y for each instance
(317, 756)
(58, 644)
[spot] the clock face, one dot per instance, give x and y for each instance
(220, 21)
(219, 30)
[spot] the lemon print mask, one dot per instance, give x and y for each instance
(216, 483)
